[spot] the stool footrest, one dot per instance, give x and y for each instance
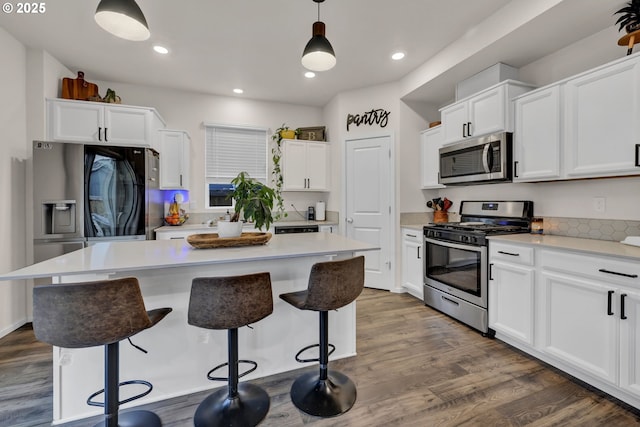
(332, 348)
(248, 371)
(91, 402)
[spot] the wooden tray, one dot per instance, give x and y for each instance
(211, 240)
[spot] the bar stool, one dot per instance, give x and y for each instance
(90, 314)
(332, 285)
(230, 303)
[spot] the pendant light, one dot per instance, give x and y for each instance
(318, 54)
(122, 18)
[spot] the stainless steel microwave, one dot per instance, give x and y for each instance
(480, 160)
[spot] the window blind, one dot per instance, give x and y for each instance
(231, 150)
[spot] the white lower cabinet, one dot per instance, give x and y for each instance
(512, 300)
(630, 343)
(576, 324)
(578, 312)
(412, 260)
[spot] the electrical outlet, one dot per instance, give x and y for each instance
(599, 204)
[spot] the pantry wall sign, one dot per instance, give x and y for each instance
(378, 117)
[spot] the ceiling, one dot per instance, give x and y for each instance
(216, 46)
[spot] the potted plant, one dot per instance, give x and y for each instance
(254, 200)
(630, 16)
(283, 132)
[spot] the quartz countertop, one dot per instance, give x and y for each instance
(597, 247)
(109, 257)
(187, 226)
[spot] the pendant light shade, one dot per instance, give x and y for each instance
(122, 18)
(318, 54)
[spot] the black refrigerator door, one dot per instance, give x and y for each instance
(114, 191)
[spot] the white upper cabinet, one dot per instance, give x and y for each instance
(305, 165)
(95, 122)
(430, 143)
(174, 159)
(488, 111)
(602, 129)
(537, 135)
(585, 126)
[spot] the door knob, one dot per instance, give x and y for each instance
(349, 220)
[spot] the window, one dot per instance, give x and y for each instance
(230, 150)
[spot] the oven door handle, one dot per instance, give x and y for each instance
(455, 245)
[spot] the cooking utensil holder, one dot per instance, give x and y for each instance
(440, 216)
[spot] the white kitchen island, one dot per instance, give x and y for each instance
(180, 355)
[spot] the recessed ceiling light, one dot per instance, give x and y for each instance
(238, 90)
(161, 49)
(309, 74)
(397, 56)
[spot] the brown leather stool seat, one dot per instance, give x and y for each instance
(100, 313)
(332, 285)
(230, 303)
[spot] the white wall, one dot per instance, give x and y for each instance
(188, 110)
(355, 102)
(13, 116)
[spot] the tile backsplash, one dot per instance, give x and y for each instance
(589, 228)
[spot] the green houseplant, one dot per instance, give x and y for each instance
(629, 16)
(276, 174)
(253, 199)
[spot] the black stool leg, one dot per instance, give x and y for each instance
(324, 394)
(241, 404)
(112, 396)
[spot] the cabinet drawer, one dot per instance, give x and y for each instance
(510, 253)
(412, 235)
(601, 269)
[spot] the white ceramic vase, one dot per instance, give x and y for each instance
(229, 229)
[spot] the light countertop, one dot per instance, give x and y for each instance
(187, 226)
(111, 257)
(597, 247)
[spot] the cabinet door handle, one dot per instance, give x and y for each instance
(637, 155)
(99, 133)
(609, 310)
(180, 180)
(308, 182)
(105, 135)
(515, 169)
(411, 235)
(623, 316)
(464, 130)
(508, 253)
(418, 252)
(604, 270)
(469, 133)
(491, 271)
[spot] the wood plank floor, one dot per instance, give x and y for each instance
(415, 367)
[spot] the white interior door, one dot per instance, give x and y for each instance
(368, 184)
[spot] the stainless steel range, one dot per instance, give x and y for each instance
(456, 270)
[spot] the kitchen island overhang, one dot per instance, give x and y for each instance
(180, 355)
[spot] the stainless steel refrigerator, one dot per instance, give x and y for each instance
(85, 194)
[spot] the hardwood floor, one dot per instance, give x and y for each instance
(415, 367)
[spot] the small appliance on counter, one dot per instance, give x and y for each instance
(311, 213)
(320, 211)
